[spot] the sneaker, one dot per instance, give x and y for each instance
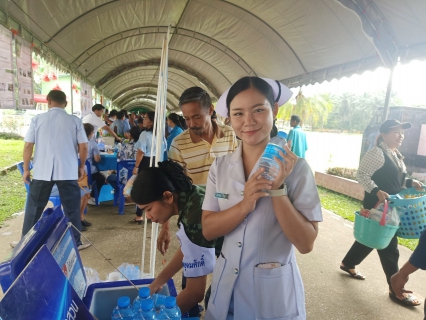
(83, 246)
(85, 223)
(92, 202)
(13, 244)
(83, 228)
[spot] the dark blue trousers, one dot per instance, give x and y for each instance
(40, 190)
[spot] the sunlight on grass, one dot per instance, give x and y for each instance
(11, 152)
(13, 194)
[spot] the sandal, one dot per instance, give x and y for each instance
(357, 275)
(408, 301)
(138, 221)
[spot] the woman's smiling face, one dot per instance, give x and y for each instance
(252, 116)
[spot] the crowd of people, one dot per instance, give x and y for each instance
(232, 221)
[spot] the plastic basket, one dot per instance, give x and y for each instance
(371, 234)
(412, 213)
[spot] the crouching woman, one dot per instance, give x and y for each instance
(164, 192)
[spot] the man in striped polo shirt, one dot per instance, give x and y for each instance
(196, 148)
(205, 140)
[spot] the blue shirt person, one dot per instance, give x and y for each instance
(177, 124)
(59, 138)
(297, 138)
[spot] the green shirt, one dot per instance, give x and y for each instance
(190, 212)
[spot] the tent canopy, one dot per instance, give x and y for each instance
(116, 45)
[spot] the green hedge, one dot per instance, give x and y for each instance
(10, 136)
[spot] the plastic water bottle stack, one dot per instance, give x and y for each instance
(143, 295)
(148, 311)
(159, 306)
(123, 310)
(172, 310)
(145, 307)
(273, 148)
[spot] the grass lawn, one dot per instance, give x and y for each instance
(13, 194)
(345, 207)
(11, 151)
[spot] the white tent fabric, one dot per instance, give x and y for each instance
(116, 45)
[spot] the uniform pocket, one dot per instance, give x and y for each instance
(275, 292)
(217, 275)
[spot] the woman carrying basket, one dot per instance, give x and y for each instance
(381, 173)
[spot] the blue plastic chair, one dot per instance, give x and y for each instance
(118, 192)
(55, 200)
(92, 184)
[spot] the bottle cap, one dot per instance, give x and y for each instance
(282, 134)
(144, 292)
(123, 302)
(170, 302)
(147, 304)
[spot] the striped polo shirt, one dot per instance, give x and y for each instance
(197, 155)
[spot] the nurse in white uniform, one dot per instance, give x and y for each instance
(256, 276)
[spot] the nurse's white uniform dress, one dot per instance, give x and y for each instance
(240, 289)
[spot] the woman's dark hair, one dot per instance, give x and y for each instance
(151, 183)
(177, 120)
(135, 132)
(151, 116)
(113, 113)
(88, 128)
(252, 82)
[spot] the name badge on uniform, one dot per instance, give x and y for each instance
(221, 195)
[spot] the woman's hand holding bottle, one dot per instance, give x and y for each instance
(286, 167)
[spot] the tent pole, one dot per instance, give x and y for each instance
(388, 94)
(71, 97)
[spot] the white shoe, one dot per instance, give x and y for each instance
(92, 202)
(13, 244)
(83, 246)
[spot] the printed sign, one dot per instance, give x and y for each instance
(7, 94)
(65, 255)
(42, 292)
(25, 73)
(86, 98)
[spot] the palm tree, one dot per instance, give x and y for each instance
(315, 109)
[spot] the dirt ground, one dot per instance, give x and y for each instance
(330, 293)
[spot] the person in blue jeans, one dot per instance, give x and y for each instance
(416, 261)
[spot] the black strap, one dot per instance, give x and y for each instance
(279, 91)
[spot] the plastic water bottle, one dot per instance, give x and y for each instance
(159, 306)
(148, 311)
(172, 310)
(119, 146)
(123, 310)
(144, 294)
(101, 144)
(273, 148)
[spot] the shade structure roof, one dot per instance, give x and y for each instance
(116, 44)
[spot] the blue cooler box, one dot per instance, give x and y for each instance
(101, 298)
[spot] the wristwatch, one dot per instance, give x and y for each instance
(281, 191)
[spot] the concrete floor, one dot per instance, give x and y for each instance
(330, 293)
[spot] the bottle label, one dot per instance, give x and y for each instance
(273, 150)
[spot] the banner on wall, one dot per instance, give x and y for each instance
(7, 94)
(25, 73)
(86, 98)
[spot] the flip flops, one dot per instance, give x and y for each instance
(408, 301)
(357, 275)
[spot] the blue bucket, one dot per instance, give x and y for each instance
(412, 212)
(371, 234)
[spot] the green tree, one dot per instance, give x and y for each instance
(312, 110)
